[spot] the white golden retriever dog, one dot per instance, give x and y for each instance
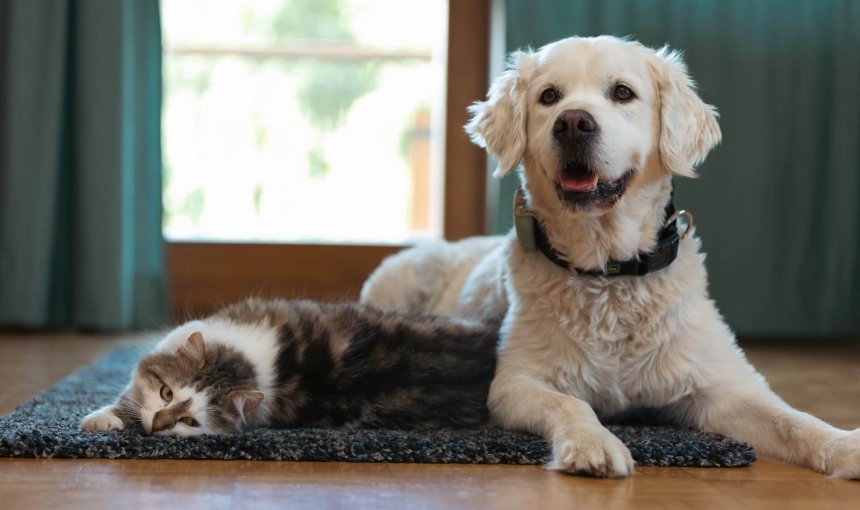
(601, 126)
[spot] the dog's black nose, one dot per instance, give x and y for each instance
(574, 125)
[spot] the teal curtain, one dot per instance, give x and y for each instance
(777, 205)
(80, 164)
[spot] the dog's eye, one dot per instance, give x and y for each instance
(549, 96)
(622, 93)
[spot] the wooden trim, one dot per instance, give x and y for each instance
(468, 75)
(204, 276)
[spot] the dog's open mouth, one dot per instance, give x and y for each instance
(581, 187)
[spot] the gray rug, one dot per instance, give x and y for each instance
(46, 426)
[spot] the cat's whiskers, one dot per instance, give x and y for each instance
(132, 408)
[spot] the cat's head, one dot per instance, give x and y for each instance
(198, 389)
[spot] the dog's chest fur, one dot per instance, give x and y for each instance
(616, 343)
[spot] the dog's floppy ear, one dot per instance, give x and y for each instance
(688, 126)
(499, 123)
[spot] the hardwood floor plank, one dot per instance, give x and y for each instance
(33, 362)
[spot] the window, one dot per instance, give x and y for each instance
(304, 120)
(245, 247)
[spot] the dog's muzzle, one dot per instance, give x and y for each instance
(578, 184)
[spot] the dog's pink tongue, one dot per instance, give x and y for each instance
(580, 184)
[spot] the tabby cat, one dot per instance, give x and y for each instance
(285, 364)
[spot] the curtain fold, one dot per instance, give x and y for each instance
(80, 164)
(777, 204)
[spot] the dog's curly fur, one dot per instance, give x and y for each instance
(577, 349)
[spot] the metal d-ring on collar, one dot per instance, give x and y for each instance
(674, 219)
(532, 237)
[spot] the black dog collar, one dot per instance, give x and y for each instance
(532, 237)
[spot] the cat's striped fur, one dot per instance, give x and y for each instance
(300, 363)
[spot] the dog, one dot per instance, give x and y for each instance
(599, 127)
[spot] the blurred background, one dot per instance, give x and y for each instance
(158, 159)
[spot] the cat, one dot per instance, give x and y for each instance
(280, 364)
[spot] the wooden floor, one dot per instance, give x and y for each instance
(824, 381)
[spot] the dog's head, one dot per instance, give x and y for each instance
(593, 119)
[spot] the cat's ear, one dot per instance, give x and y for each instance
(193, 349)
(246, 401)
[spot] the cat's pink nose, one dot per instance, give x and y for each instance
(162, 421)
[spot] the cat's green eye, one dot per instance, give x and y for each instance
(191, 422)
(166, 393)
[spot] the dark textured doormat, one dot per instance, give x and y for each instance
(47, 426)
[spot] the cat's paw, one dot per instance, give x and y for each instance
(843, 456)
(591, 450)
(103, 420)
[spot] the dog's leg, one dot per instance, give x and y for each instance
(580, 443)
(742, 406)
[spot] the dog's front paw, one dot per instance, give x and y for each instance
(103, 420)
(592, 451)
(843, 456)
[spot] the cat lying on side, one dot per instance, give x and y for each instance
(285, 364)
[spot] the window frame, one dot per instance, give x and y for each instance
(206, 275)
